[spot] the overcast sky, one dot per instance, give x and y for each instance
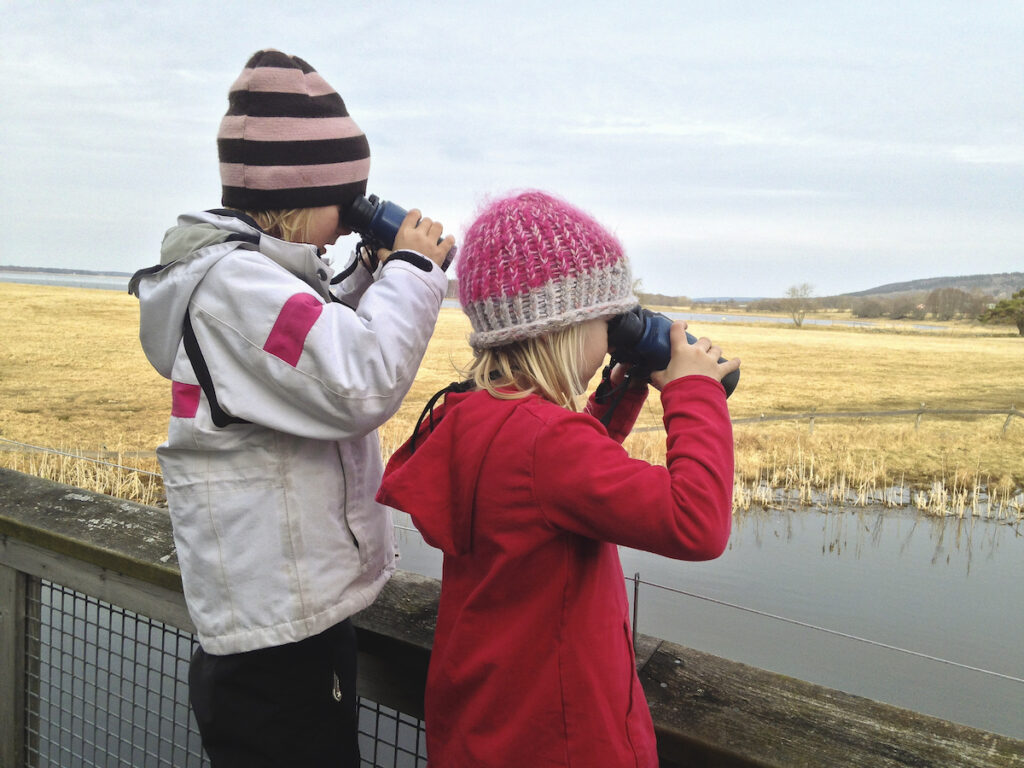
(736, 148)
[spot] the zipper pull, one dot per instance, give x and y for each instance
(337, 688)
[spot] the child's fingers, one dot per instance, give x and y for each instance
(412, 218)
(677, 335)
(729, 366)
(423, 235)
(435, 229)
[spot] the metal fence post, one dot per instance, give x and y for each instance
(636, 605)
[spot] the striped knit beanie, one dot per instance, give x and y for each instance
(532, 264)
(287, 140)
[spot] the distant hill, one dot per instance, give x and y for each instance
(1001, 285)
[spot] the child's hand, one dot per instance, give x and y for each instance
(698, 359)
(618, 375)
(421, 235)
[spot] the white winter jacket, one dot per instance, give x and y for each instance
(277, 533)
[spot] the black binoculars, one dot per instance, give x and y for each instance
(641, 337)
(377, 221)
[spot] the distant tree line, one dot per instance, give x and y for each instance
(940, 304)
(661, 299)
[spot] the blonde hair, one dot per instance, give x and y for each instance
(547, 365)
(291, 224)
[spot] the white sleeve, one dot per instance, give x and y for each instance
(350, 290)
(281, 357)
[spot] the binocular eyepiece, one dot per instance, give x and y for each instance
(378, 221)
(641, 337)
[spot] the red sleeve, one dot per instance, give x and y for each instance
(625, 414)
(587, 484)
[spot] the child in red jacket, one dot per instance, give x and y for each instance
(528, 498)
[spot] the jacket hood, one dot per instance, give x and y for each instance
(436, 480)
(189, 251)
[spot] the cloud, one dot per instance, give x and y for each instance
(735, 147)
(1004, 154)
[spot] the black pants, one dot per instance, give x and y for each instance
(291, 705)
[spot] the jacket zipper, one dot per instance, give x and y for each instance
(348, 527)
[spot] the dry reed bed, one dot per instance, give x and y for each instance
(72, 377)
(137, 482)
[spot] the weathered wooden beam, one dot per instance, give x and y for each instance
(114, 534)
(717, 713)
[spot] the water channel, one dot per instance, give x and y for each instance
(925, 591)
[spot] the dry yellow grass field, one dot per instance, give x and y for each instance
(73, 378)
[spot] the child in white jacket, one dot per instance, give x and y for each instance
(278, 385)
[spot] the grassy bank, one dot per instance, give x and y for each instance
(73, 378)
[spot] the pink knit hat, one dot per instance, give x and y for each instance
(287, 140)
(531, 264)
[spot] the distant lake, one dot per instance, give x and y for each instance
(714, 317)
(68, 280)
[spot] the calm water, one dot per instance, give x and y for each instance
(943, 588)
(107, 282)
(714, 317)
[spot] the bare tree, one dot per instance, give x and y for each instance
(798, 301)
(867, 307)
(947, 303)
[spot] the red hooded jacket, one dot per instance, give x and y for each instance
(532, 663)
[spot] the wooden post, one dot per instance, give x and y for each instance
(12, 666)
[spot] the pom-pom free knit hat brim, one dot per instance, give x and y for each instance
(287, 140)
(532, 264)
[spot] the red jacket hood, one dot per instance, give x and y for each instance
(436, 481)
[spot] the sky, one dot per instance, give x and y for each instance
(735, 148)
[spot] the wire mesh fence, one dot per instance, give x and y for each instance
(105, 686)
(388, 737)
(109, 687)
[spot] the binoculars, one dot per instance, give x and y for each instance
(641, 337)
(377, 221)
